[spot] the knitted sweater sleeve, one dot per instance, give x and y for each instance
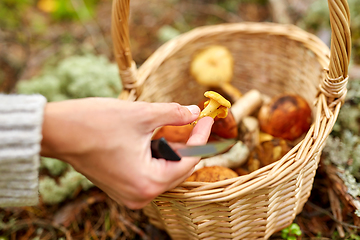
(21, 118)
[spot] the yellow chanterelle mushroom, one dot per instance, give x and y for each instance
(216, 106)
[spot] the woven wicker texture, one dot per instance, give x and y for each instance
(273, 59)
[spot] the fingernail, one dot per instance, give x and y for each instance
(193, 109)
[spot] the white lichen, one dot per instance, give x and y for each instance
(53, 192)
(343, 145)
(54, 166)
(75, 77)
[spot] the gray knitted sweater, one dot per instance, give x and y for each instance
(21, 120)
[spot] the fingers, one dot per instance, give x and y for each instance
(172, 114)
(200, 134)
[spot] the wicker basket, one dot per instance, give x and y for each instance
(271, 58)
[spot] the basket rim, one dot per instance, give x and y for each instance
(295, 33)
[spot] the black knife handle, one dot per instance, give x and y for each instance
(161, 149)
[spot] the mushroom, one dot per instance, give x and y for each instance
(214, 67)
(249, 131)
(246, 105)
(235, 157)
(286, 116)
(174, 133)
(222, 127)
(216, 106)
(225, 127)
(268, 152)
(212, 174)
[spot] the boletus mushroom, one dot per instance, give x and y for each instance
(268, 152)
(225, 127)
(212, 174)
(213, 66)
(286, 116)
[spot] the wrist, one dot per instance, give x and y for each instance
(61, 131)
(49, 146)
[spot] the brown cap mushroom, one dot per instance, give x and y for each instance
(212, 174)
(286, 116)
(268, 152)
(213, 67)
(225, 127)
(174, 133)
(216, 106)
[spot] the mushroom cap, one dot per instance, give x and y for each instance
(206, 103)
(212, 174)
(217, 97)
(174, 133)
(222, 112)
(286, 116)
(225, 127)
(212, 66)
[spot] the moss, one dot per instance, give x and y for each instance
(343, 145)
(53, 192)
(353, 187)
(54, 166)
(75, 77)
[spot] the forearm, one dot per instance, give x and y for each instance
(74, 128)
(20, 136)
(60, 131)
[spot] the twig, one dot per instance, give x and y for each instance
(331, 216)
(116, 235)
(100, 221)
(66, 232)
(336, 209)
(134, 228)
(45, 224)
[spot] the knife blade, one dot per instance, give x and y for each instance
(160, 148)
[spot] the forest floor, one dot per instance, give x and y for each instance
(91, 214)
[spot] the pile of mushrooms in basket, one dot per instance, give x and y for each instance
(264, 128)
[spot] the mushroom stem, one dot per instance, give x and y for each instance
(230, 90)
(214, 113)
(246, 105)
(210, 109)
(235, 157)
(217, 105)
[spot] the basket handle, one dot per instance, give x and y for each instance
(122, 51)
(333, 87)
(334, 84)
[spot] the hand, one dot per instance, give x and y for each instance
(108, 140)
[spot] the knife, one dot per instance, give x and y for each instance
(160, 148)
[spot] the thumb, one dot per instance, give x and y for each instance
(173, 114)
